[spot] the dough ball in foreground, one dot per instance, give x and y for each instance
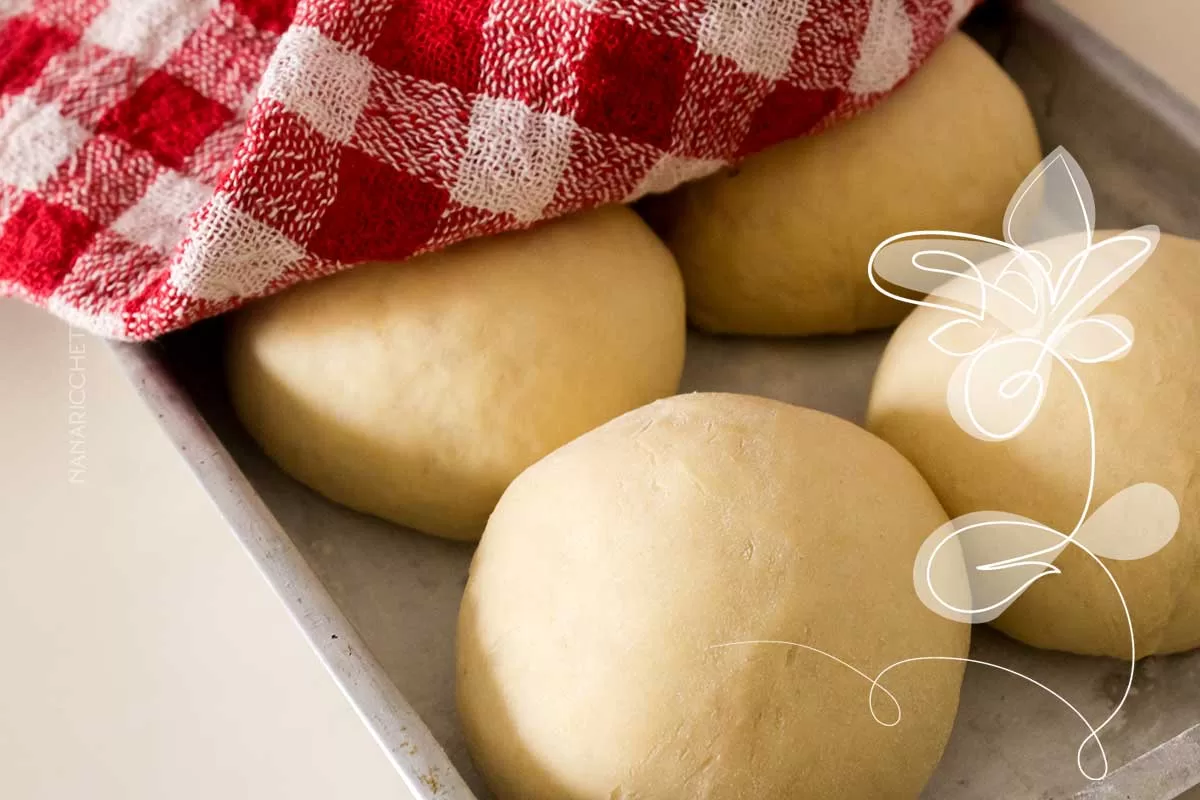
(418, 391)
(1145, 406)
(611, 570)
(780, 244)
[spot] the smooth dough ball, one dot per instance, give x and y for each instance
(780, 244)
(1145, 406)
(417, 391)
(590, 664)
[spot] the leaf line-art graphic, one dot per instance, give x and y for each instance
(1018, 307)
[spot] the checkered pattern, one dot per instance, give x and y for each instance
(166, 160)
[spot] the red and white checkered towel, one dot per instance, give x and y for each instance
(162, 161)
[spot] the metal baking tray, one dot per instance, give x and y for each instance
(378, 603)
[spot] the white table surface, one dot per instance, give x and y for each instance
(142, 656)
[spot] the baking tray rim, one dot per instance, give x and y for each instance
(396, 727)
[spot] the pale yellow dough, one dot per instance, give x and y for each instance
(1146, 407)
(418, 391)
(779, 245)
(589, 665)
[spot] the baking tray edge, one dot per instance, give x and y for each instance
(407, 742)
(1167, 770)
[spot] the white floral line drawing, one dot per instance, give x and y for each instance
(1049, 275)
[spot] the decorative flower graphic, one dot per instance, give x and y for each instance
(1018, 307)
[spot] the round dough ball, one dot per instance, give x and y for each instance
(589, 658)
(417, 391)
(1144, 406)
(780, 244)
